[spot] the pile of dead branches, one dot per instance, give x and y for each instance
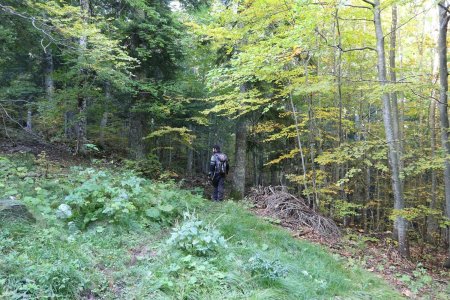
(292, 211)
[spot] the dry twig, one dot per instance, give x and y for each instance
(293, 211)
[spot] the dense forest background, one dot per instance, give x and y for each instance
(344, 102)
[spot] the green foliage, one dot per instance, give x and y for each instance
(266, 268)
(415, 213)
(36, 264)
(345, 209)
(13, 175)
(183, 134)
(54, 259)
(360, 241)
(149, 167)
(195, 237)
(190, 277)
(418, 280)
(103, 196)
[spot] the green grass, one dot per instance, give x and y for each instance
(313, 273)
(52, 259)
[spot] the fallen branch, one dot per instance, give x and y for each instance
(293, 211)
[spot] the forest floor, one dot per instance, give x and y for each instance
(422, 277)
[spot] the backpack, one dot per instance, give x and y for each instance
(221, 163)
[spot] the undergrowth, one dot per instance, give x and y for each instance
(109, 234)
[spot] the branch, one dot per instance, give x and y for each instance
(409, 20)
(424, 97)
(369, 2)
(346, 19)
(357, 49)
(40, 27)
(348, 79)
(358, 6)
(340, 48)
(18, 100)
(4, 113)
(10, 10)
(444, 7)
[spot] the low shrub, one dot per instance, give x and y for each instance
(104, 196)
(189, 277)
(257, 265)
(195, 237)
(149, 167)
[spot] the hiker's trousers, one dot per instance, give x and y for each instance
(218, 184)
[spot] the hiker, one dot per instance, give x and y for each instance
(218, 170)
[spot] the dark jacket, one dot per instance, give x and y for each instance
(213, 164)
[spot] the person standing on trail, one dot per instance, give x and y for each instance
(218, 170)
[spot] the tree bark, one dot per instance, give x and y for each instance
(104, 120)
(432, 225)
(389, 131)
(240, 159)
(394, 102)
(443, 104)
(29, 120)
(136, 134)
(82, 102)
(338, 68)
(393, 75)
(48, 74)
(190, 156)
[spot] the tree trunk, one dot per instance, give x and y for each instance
(443, 104)
(29, 120)
(393, 75)
(389, 131)
(82, 103)
(48, 74)
(240, 159)
(255, 166)
(338, 68)
(104, 120)
(394, 102)
(190, 156)
(299, 144)
(135, 142)
(432, 225)
(312, 131)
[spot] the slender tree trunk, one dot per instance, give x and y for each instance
(82, 103)
(48, 74)
(312, 148)
(104, 120)
(299, 143)
(394, 102)
(338, 68)
(443, 104)
(29, 120)
(393, 75)
(135, 136)
(190, 157)
(103, 125)
(240, 159)
(432, 225)
(389, 131)
(340, 172)
(255, 166)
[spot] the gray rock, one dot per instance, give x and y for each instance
(14, 209)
